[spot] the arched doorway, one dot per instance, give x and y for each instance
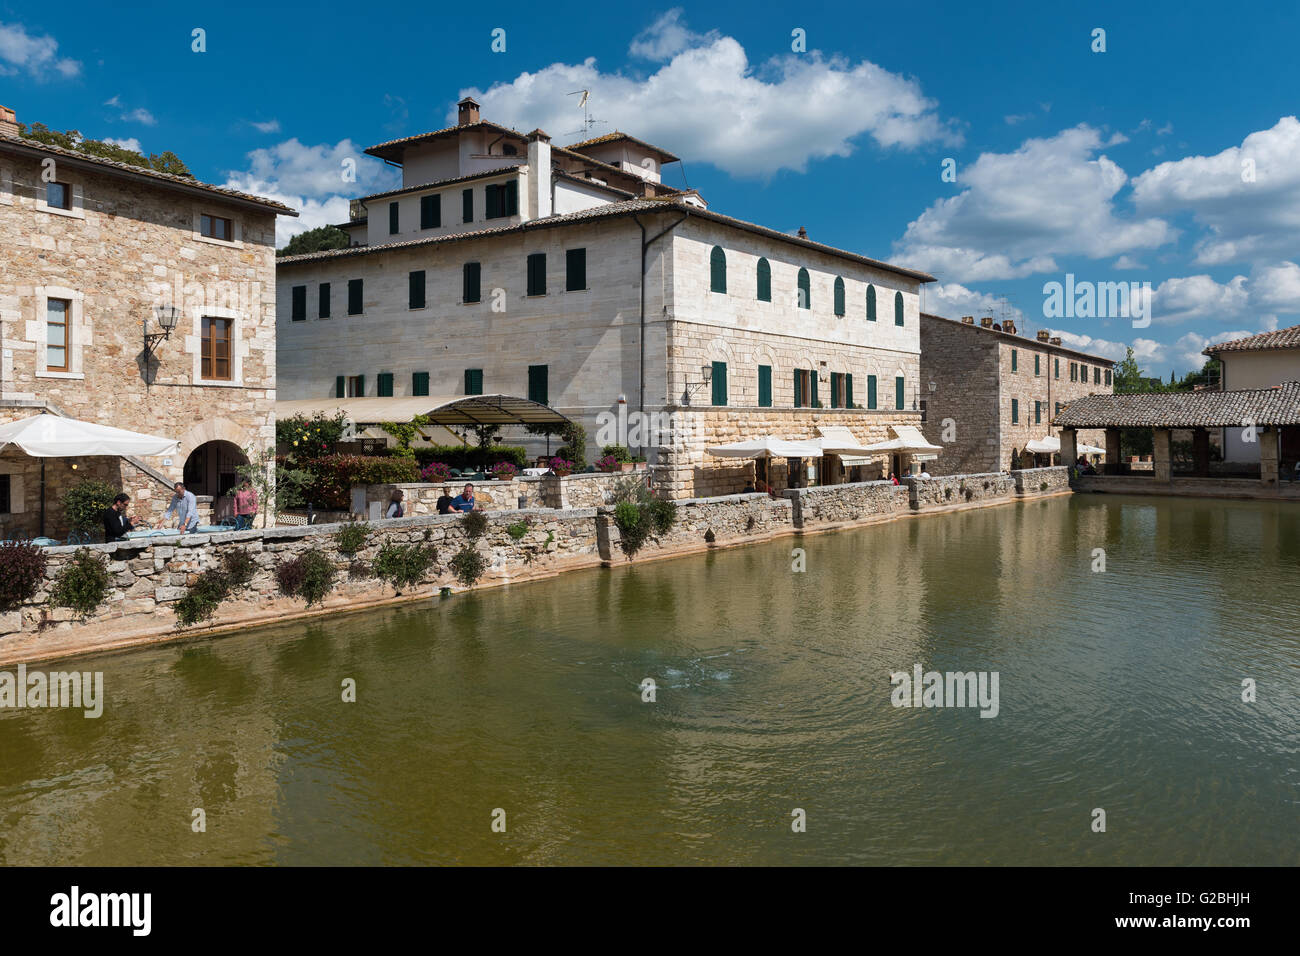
(213, 469)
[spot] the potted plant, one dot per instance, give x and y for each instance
(504, 471)
(560, 467)
(638, 463)
(608, 464)
(436, 472)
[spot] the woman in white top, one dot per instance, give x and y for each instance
(395, 505)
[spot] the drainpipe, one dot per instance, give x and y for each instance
(645, 245)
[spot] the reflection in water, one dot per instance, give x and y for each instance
(1119, 690)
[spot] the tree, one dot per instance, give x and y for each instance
(1128, 375)
(279, 487)
(315, 240)
(405, 432)
(167, 162)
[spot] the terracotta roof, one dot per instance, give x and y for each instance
(499, 171)
(1025, 340)
(392, 150)
(560, 174)
(612, 210)
(169, 179)
(1279, 405)
(616, 136)
(363, 220)
(1288, 338)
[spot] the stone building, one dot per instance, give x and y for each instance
(989, 391)
(575, 277)
(1258, 361)
(97, 255)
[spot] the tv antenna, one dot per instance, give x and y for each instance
(588, 121)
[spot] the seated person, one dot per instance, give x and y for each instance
(395, 509)
(465, 500)
(444, 501)
(116, 522)
(749, 488)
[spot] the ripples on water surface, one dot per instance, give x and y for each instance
(1118, 690)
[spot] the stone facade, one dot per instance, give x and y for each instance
(130, 243)
(1037, 482)
(950, 492)
(996, 390)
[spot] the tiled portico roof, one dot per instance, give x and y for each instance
(1279, 405)
(1288, 338)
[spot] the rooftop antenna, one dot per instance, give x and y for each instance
(588, 121)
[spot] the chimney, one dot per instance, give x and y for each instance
(1054, 340)
(467, 112)
(539, 174)
(968, 320)
(1043, 335)
(8, 122)
(803, 233)
(986, 322)
(1009, 326)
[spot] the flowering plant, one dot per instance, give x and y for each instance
(436, 471)
(504, 471)
(560, 467)
(608, 463)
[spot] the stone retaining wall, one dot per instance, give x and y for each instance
(846, 504)
(956, 491)
(1034, 482)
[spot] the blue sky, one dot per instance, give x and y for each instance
(1173, 157)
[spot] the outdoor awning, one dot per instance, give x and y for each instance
(442, 410)
(838, 440)
(907, 440)
(1050, 445)
(52, 436)
(769, 446)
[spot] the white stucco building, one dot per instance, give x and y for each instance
(574, 276)
(1259, 361)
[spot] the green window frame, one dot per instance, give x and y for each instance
(719, 383)
(813, 401)
(1015, 411)
(1058, 408)
(501, 199)
(473, 381)
(848, 389)
(717, 270)
(1108, 380)
(431, 211)
(1058, 367)
(798, 388)
(835, 389)
(765, 386)
(872, 401)
(469, 288)
(299, 313)
(898, 308)
(340, 386)
(1038, 366)
(1038, 413)
(539, 384)
(575, 270)
(537, 273)
(805, 289)
(467, 205)
(394, 218)
(839, 296)
(900, 393)
(871, 303)
(415, 289)
(384, 385)
(323, 306)
(356, 296)
(419, 383)
(764, 281)
(1015, 364)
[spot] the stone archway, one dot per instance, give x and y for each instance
(212, 468)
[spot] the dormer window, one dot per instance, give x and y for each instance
(508, 150)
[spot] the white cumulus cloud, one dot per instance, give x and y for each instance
(35, 55)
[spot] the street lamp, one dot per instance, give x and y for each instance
(167, 317)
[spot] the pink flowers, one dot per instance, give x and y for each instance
(435, 472)
(504, 471)
(561, 467)
(608, 463)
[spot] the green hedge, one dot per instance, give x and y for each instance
(461, 457)
(334, 476)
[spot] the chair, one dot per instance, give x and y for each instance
(454, 472)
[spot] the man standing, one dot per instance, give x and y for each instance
(116, 522)
(465, 500)
(186, 508)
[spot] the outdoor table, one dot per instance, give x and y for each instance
(534, 472)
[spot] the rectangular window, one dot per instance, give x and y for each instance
(1038, 413)
(59, 195)
(467, 205)
(1014, 363)
(1074, 371)
(1058, 367)
(899, 397)
(538, 386)
(719, 383)
(765, 386)
(299, 313)
(1015, 411)
(805, 388)
(1038, 365)
(473, 381)
(393, 221)
(835, 389)
(384, 385)
(1107, 376)
(356, 386)
(212, 227)
(799, 379)
(1058, 408)
(871, 391)
(57, 313)
(6, 496)
(431, 211)
(575, 270)
(848, 390)
(340, 386)
(324, 300)
(1096, 375)
(470, 282)
(354, 296)
(415, 289)
(501, 199)
(419, 383)
(537, 273)
(1083, 373)
(214, 359)
(812, 389)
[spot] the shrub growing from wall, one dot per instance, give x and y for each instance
(309, 576)
(82, 584)
(22, 570)
(468, 565)
(404, 566)
(85, 501)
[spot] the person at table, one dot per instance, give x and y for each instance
(444, 501)
(116, 521)
(465, 500)
(749, 488)
(245, 505)
(185, 507)
(395, 509)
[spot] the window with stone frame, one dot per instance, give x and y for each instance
(216, 227)
(58, 195)
(58, 334)
(214, 353)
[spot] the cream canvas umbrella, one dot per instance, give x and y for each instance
(52, 436)
(767, 448)
(1050, 445)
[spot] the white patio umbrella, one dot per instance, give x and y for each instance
(52, 436)
(1050, 445)
(767, 447)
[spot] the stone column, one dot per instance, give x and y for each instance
(1201, 452)
(1112, 452)
(1268, 456)
(1069, 447)
(1161, 459)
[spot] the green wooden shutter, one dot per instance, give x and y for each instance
(430, 211)
(415, 285)
(848, 390)
(871, 303)
(871, 391)
(835, 389)
(492, 201)
(765, 386)
(467, 205)
(719, 382)
(299, 313)
(470, 286)
(898, 308)
(1058, 367)
(717, 270)
(361, 386)
(420, 383)
(1015, 364)
(341, 387)
(575, 270)
(764, 281)
(1015, 411)
(511, 201)
(324, 300)
(384, 387)
(537, 273)
(899, 398)
(798, 388)
(473, 381)
(839, 296)
(393, 219)
(812, 388)
(805, 290)
(355, 296)
(1038, 413)
(538, 386)
(1038, 367)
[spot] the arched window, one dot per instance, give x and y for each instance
(805, 290)
(898, 308)
(839, 296)
(871, 303)
(764, 281)
(718, 270)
